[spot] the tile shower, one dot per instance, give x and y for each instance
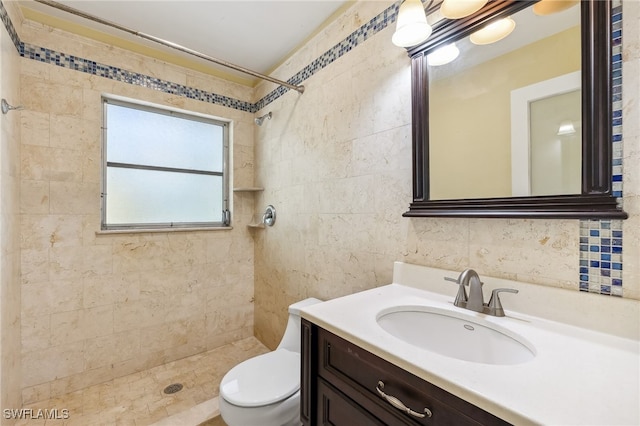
(100, 306)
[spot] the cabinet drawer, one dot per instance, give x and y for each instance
(353, 371)
(334, 408)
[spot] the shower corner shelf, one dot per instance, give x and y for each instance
(248, 189)
(251, 190)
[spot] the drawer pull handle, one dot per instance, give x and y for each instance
(399, 405)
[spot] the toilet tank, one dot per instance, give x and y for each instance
(291, 338)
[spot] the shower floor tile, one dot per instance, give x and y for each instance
(138, 399)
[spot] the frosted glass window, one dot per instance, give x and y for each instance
(144, 137)
(162, 168)
(148, 196)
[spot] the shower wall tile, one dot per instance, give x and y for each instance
(34, 197)
(631, 148)
(56, 361)
(107, 350)
(48, 297)
(74, 382)
(176, 333)
(110, 289)
(73, 326)
(35, 128)
(10, 185)
(37, 393)
(34, 266)
(100, 306)
(36, 332)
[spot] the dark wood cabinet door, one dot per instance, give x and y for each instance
(341, 381)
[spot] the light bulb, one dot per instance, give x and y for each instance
(493, 32)
(443, 55)
(411, 27)
(547, 7)
(456, 9)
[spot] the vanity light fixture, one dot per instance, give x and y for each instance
(548, 7)
(411, 27)
(493, 32)
(443, 55)
(456, 9)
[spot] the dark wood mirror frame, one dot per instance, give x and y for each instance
(596, 200)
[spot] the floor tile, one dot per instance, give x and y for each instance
(138, 399)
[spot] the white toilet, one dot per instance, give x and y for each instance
(265, 390)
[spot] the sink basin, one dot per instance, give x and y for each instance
(455, 335)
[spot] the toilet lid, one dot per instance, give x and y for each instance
(262, 380)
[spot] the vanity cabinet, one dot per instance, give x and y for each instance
(341, 384)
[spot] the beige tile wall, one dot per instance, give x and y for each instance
(336, 163)
(631, 154)
(9, 225)
(95, 307)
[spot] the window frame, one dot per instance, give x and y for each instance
(173, 112)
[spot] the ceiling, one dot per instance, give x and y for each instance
(255, 34)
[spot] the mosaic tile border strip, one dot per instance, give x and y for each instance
(601, 257)
(375, 25)
(4, 16)
(601, 240)
(76, 63)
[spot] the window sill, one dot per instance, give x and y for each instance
(248, 189)
(160, 230)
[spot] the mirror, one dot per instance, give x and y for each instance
(482, 118)
(476, 152)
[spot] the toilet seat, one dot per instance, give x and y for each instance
(262, 380)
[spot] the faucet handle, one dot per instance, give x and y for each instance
(495, 306)
(461, 298)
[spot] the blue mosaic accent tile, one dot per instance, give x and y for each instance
(63, 60)
(378, 23)
(4, 16)
(601, 257)
(601, 240)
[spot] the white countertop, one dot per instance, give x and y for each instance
(579, 376)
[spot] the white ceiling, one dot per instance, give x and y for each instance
(255, 34)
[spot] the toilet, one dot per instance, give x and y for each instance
(265, 390)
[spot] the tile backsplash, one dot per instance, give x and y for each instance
(601, 240)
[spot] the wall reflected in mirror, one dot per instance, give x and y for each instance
(481, 143)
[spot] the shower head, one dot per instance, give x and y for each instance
(259, 120)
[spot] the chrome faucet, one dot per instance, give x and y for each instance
(475, 300)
